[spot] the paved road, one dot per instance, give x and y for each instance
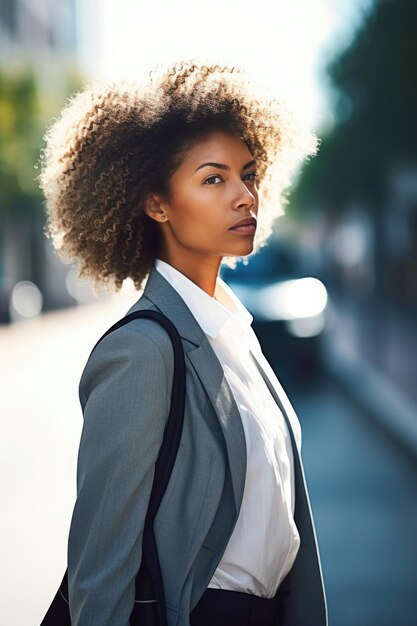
(363, 491)
(364, 498)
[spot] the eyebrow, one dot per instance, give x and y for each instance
(222, 166)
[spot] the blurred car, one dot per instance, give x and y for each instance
(288, 307)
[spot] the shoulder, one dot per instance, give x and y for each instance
(141, 346)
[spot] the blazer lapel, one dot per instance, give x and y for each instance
(302, 514)
(211, 374)
(283, 404)
(208, 369)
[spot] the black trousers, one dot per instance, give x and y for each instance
(221, 607)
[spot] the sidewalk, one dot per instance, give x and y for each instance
(377, 395)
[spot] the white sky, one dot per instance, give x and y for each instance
(282, 42)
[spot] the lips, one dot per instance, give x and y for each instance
(247, 221)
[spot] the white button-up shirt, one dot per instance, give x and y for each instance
(265, 540)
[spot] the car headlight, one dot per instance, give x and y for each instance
(299, 298)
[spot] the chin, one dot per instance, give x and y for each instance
(244, 249)
(240, 248)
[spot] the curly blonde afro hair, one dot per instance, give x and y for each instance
(114, 143)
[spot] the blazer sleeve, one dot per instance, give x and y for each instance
(125, 391)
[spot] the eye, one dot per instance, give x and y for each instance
(210, 179)
(254, 174)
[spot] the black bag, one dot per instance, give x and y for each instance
(149, 607)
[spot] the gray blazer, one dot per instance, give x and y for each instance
(125, 391)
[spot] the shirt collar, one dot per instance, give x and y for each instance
(212, 313)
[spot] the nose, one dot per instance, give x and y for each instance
(244, 197)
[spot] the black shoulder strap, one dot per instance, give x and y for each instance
(149, 584)
(173, 428)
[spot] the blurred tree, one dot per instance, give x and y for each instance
(25, 109)
(20, 135)
(376, 87)
(30, 95)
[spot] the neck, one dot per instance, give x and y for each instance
(201, 270)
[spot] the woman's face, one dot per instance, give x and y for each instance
(214, 187)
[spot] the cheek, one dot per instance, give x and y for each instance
(197, 211)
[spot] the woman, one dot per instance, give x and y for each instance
(167, 181)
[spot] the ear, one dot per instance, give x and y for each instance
(154, 207)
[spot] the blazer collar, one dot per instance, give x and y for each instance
(167, 299)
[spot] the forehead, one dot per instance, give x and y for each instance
(219, 147)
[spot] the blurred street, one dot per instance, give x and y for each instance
(41, 361)
(363, 491)
(364, 496)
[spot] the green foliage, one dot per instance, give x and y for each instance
(375, 79)
(19, 137)
(25, 110)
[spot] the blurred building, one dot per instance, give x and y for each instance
(38, 37)
(36, 27)
(368, 261)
